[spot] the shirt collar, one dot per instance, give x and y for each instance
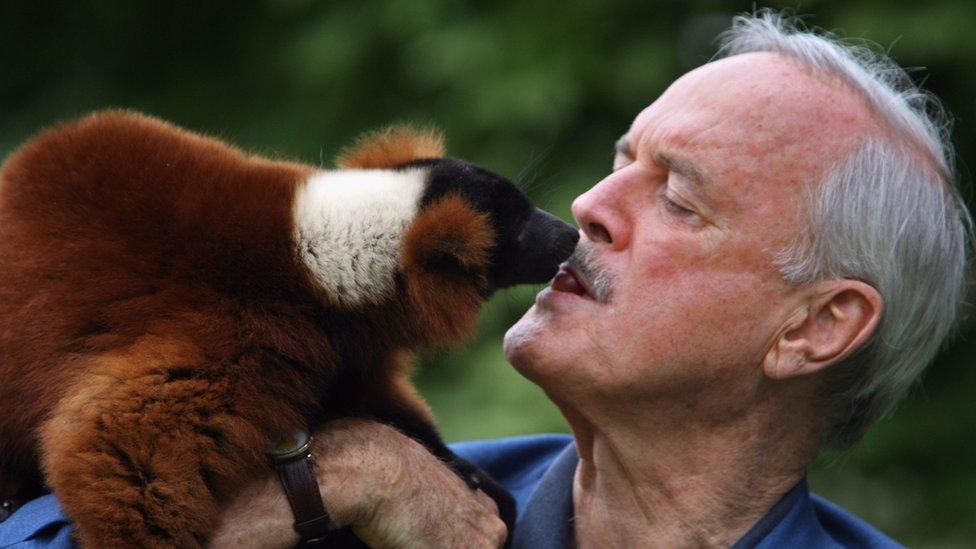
(547, 521)
(35, 515)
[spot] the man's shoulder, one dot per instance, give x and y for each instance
(846, 528)
(512, 455)
(526, 446)
(804, 519)
(39, 523)
(517, 463)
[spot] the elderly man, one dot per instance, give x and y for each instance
(776, 256)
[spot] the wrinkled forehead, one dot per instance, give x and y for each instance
(755, 118)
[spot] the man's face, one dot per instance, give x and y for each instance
(706, 188)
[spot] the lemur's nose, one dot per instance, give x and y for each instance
(563, 236)
(546, 241)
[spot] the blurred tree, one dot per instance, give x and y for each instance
(537, 90)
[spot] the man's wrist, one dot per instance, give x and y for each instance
(294, 462)
(380, 482)
(354, 468)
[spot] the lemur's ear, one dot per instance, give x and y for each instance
(392, 146)
(445, 243)
(449, 236)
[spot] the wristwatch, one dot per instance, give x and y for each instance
(292, 458)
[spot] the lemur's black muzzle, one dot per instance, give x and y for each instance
(545, 242)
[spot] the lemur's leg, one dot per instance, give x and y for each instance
(399, 405)
(145, 448)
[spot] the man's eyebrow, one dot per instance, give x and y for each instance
(684, 167)
(681, 166)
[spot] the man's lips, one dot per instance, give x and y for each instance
(569, 280)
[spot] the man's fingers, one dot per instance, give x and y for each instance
(387, 486)
(486, 501)
(494, 531)
(413, 499)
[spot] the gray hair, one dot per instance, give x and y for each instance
(888, 214)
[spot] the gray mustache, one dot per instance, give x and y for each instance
(598, 278)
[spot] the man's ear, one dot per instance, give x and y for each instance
(391, 147)
(835, 321)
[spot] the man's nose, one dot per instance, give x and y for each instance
(596, 216)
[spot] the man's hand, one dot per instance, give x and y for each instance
(388, 487)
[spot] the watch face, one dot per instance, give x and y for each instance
(294, 445)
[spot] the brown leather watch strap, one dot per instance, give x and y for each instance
(295, 465)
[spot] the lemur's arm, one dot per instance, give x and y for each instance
(387, 486)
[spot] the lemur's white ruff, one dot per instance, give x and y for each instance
(349, 227)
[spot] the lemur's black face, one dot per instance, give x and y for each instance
(529, 243)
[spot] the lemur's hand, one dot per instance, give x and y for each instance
(388, 487)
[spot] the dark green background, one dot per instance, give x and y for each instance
(535, 90)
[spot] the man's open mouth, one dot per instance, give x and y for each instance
(569, 280)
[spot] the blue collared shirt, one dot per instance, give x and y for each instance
(538, 471)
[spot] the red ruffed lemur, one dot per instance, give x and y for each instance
(169, 305)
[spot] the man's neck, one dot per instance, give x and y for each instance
(675, 482)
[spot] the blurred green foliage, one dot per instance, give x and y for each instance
(535, 90)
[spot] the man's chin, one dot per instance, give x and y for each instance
(528, 343)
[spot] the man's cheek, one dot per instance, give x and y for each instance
(670, 250)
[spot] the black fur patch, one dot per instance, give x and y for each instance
(506, 206)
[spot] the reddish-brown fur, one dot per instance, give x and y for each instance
(392, 146)
(157, 330)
